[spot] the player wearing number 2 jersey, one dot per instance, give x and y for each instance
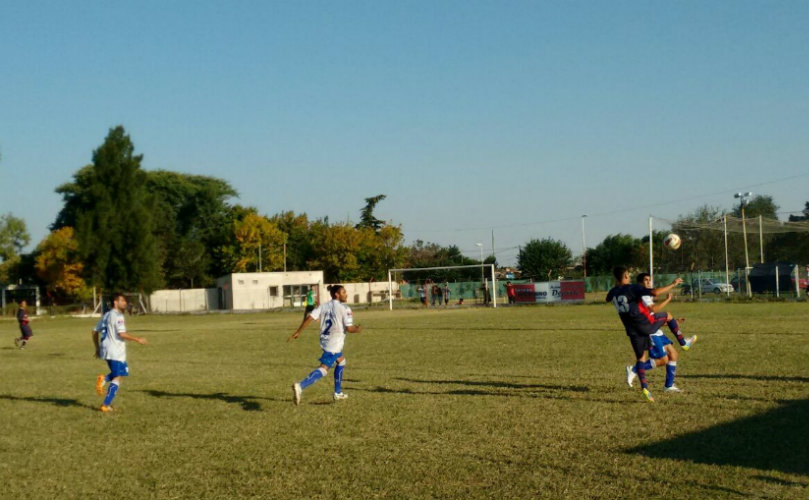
(335, 320)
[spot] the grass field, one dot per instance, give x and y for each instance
(525, 402)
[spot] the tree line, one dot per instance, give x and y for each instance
(123, 228)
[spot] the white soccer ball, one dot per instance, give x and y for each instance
(672, 241)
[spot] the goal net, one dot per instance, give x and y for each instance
(443, 286)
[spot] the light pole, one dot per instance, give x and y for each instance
(743, 198)
(583, 248)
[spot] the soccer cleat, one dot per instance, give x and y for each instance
(673, 388)
(106, 409)
(296, 393)
(648, 395)
(630, 376)
(100, 385)
(689, 342)
(340, 395)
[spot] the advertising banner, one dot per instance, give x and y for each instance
(549, 292)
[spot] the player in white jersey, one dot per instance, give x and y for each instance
(662, 351)
(335, 320)
(109, 337)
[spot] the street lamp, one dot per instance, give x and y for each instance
(743, 199)
(583, 248)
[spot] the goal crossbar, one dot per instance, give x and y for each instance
(404, 269)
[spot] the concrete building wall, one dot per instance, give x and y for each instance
(179, 301)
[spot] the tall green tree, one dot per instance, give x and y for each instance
(367, 218)
(193, 222)
(13, 238)
(617, 250)
(544, 258)
(114, 219)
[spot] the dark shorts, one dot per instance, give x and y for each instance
(26, 332)
(657, 324)
(308, 310)
(640, 344)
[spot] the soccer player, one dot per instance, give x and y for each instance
(639, 322)
(310, 302)
(662, 351)
(25, 328)
(112, 347)
(335, 320)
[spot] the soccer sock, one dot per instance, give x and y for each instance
(648, 365)
(671, 367)
(641, 371)
(313, 377)
(112, 390)
(675, 329)
(338, 376)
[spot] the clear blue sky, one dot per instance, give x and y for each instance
(471, 116)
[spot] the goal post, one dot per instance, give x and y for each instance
(484, 281)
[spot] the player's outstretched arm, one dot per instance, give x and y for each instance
(354, 329)
(667, 288)
(139, 340)
(308, 319)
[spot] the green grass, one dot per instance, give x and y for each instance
(524, 402)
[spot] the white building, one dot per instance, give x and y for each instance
(261, 291)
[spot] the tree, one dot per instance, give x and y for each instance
(367, 218)
(299, 241)
(13, 238)
(335, 251)
(616, 250)
(260, 243)
(759, 205)
(194, 220)
(702, 248)
(57, 264)
(114, 223)
(541, 258)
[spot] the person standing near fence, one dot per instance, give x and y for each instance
(310, 302)
(25, 328)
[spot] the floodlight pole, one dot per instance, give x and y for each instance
(727, 268)
(761, 237)
(742, 202)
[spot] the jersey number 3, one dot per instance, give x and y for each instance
(621, 303)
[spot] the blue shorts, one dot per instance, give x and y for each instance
(118, 368)
(659, 343)
(329, 358)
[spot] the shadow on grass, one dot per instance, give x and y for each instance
(762, 378)
(775, 440)
(247, 402)
(501, 385)
(504, 329)
(62, 402)
(484, 388)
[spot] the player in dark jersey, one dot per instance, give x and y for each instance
(638, 320)
(25, 328)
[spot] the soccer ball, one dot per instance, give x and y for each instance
(672, 241)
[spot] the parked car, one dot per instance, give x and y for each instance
(762, 278)
(706, 285)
